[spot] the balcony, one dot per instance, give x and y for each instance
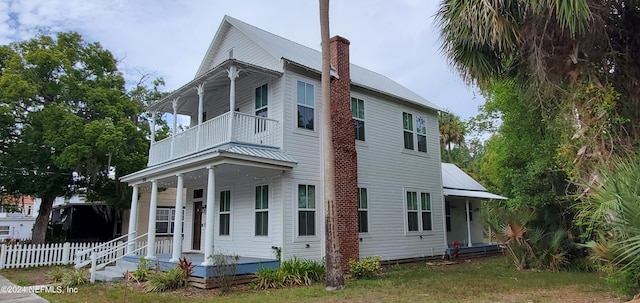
(246, 129)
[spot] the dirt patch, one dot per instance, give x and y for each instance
(569, 295)
(28, 276)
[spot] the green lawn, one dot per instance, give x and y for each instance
(479, 280)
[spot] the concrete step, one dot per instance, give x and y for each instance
(116, 272)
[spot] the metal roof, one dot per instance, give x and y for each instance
(258, 152)
(455, 182)
(281, 48)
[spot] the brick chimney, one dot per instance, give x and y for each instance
(344, 144)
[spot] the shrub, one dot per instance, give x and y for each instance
(225, 270)
(367, 268)
(291, 272)
(270, 278)
(73, 278)
(187, 269)
(57, 274)
(143, 270)
(162, 281)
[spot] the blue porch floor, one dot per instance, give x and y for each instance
(246, 265)
(475, 248)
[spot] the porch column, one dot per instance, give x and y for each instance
(468, 223)
(174, 130)
(200, 89)
(233, 74)
(133, 221)
(177, 227)
(208, 234)
(151, 231)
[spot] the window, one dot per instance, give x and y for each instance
(447, 212)
(418, 212)
(306, 95)
(407, 125)
(363, 206)
(4, 230)
(198, 193)
(262, 210)
(225, 212)
(262, 94)
(165, 220)
(420, 132)
(357, 112)
(306, 210)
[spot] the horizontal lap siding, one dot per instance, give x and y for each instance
(304, 146)
(385, 171)
(244, 50)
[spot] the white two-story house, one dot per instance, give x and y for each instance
(248, 172)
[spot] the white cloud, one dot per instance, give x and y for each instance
(394, 38)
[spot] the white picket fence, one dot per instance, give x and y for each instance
(32, 255)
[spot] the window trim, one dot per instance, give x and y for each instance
(261, 210)
(314, 210)
(226, 212)
(366, 209)
(169, 221)
(419, 195)
(4, 232)
(415, 133)
(314, 107)
(357, 117)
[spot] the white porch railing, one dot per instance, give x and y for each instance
(214, 132)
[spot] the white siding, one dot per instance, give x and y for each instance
(385, 169)
(242, 240)
(244, 50)
(304, 146)
(459, 222)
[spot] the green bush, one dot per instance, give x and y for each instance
(57, 274)
(72, 278)
(143, 270)
(162, 281)
(367, 268)
(294, 271)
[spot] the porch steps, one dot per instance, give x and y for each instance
(115, 272)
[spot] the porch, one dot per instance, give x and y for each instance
(475, 248)
(245, 265)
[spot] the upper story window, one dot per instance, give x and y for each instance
(262, 100)
(357, 112)
(305, 97)
(414, 132)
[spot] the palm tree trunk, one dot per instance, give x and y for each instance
(334, 275)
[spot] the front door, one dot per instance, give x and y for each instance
(197, 224)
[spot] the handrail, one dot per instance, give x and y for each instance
(103, 250)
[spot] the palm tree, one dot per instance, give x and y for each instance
(452, 131)
(334, 276)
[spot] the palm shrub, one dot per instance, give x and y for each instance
(167, 280)
(74, 278)
(294, 271)
(56, 274)
(611, 217)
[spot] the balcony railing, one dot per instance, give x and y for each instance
(215, 132)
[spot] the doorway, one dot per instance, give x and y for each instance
(197, 225)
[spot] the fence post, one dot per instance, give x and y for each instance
(3, 255)
(93, 266)
(66, 251)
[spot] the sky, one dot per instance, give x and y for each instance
(169, 38)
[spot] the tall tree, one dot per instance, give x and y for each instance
(452, 132)
(72, 118)
(580, 54)
(334, 276)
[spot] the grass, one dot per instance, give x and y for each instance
(479, 280)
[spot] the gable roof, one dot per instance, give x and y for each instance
(455, 182)
(287, 50)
